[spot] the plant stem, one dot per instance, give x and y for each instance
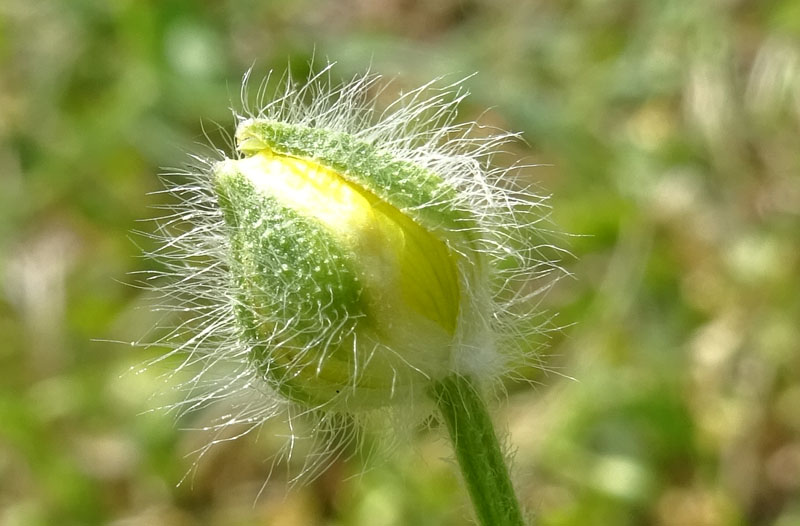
(478, 452)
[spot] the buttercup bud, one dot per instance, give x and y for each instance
(345, 262)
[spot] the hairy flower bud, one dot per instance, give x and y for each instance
(342, 260)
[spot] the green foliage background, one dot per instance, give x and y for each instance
(669, 134)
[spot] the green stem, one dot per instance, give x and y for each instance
(478, 452)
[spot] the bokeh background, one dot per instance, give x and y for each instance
(669, 130)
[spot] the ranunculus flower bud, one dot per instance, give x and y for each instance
(342, 260)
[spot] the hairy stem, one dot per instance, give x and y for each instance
(478, 451)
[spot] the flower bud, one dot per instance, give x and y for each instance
(345, 295)
(342, 260)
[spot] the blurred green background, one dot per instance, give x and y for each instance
(670, 129)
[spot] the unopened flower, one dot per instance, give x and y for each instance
(349, 258)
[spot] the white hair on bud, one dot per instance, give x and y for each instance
(193, 281)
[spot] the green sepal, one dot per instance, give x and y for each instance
(296, 291)
(405, 185)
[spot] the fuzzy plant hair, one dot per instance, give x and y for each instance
(340, 256)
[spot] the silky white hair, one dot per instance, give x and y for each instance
(420, 126)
